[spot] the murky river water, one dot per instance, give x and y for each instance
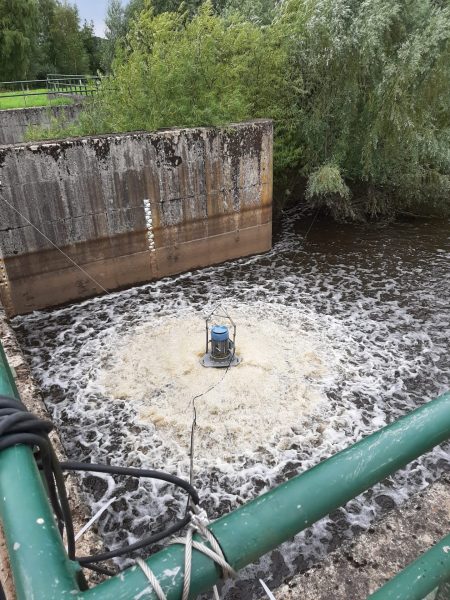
(340, 332)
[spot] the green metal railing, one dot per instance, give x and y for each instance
(39, 563)
(41, 568)
(421, 577)
(55, 85)
(78, 85)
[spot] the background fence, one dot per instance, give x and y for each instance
(54, 89)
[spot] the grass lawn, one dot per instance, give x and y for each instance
(17, 101)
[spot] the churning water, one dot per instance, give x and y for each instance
(340, 333)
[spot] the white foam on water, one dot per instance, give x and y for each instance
(157, 369)
(339, 337)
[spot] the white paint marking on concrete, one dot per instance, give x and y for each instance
(149, 224)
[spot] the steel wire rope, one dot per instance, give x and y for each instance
(217, 554)
(199, 523)
(53, 244)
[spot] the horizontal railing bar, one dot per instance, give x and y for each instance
(261, 525)
(23, 81)
(24, 95)
(56, 76)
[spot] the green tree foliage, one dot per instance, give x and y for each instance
(261, 12)
(44, 36)
(375, 99)
(68, 52)
(358, 89)
(17, 38)
(44, 47)
(132, 11)
(199, 71)
(120, 19)
(190, 7)
(93, 46)
(115, 33)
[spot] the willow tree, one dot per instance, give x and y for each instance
(183, 71)
(374, 112)
(17, 37)
(358, 90)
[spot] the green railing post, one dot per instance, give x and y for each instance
(7, 383)
(421, 577)
(39, 563)
(258, 527)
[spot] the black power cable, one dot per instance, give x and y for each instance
(133, 472)
(18, 426)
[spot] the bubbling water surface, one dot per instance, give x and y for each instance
(340, 334)
(157, 370)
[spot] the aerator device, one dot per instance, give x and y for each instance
(220, 349)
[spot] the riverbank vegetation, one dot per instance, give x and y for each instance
(358, 90)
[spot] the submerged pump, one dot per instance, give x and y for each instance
(220, 349)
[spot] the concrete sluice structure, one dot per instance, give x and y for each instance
(129, 208)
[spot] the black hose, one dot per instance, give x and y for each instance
(18, 426)
(151, 539)
(71, 465)
(134, 472)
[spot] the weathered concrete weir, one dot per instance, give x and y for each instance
(130, 208)
(14, 123)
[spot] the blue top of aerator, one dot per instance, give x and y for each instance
(219, 333)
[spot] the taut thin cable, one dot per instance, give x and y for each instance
(194, 419)
(194, 410)
(312, 223)
(54, 245)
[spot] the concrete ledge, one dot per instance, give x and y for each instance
(360, 567)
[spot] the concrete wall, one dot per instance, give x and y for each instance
(15, 122)
(129, 208)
